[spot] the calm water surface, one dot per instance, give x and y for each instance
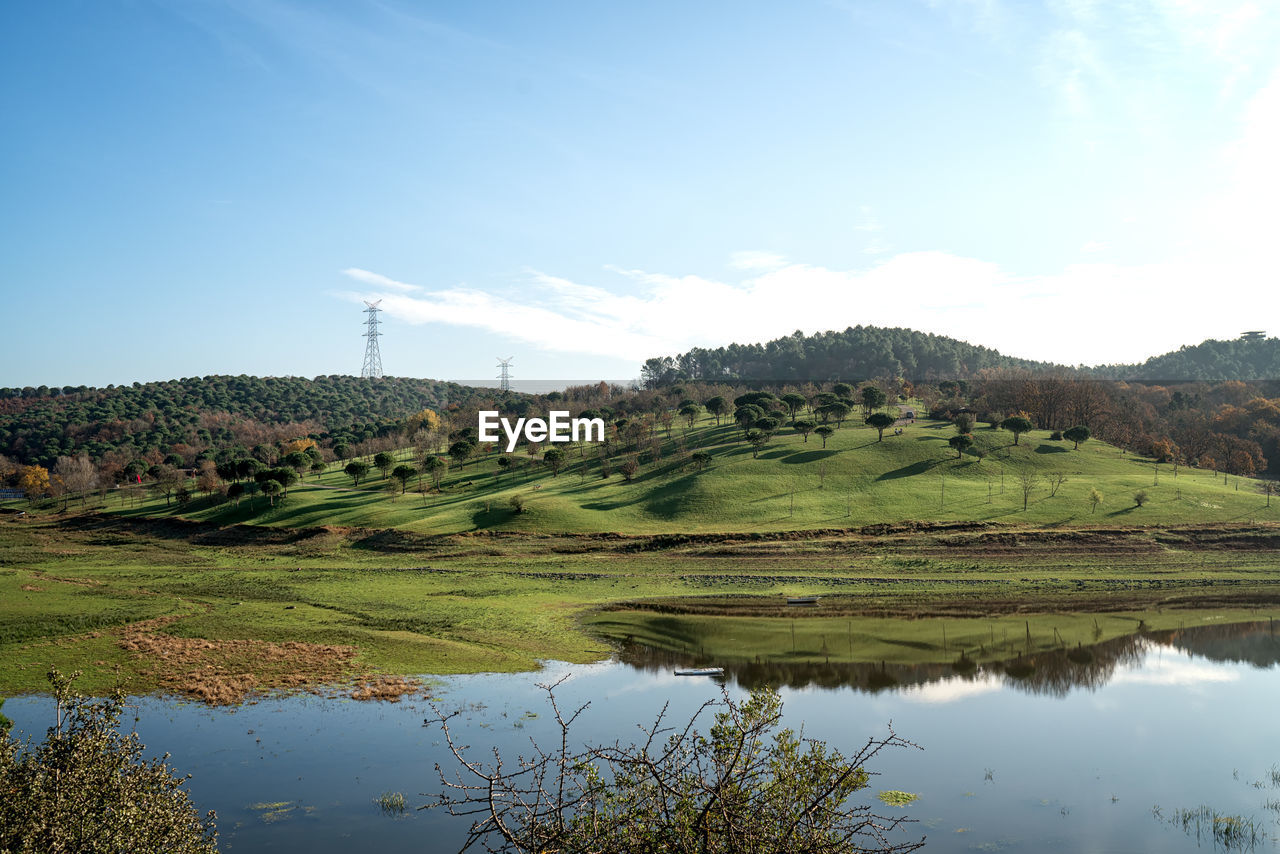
(1063, 752)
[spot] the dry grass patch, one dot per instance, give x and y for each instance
(224, 672)
(389, 688)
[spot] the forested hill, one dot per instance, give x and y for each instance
(857, 353)
(39, 424)
(869, 352)
(1242, 359)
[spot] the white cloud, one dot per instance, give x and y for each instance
(1172, 668)
(951, 690)
(1092, 312)
(378, 281)
(756, 261)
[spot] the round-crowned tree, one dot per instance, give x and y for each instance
(881, 421)
(1077, 434)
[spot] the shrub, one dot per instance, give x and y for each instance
(88, 789)
(1056, 436)
(747, 785)
(1140, 497)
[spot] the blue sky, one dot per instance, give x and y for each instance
(197, 187)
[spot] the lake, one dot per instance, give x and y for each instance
(1087, 749)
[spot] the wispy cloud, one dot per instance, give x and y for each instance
(1086, 312)
(379, 281)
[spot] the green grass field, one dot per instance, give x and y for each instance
(793, 484)
(74, 591)
(336, 581)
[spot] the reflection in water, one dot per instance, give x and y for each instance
(1052, 672)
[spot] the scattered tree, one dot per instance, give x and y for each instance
(1055, 479)
(961, 442)
(717, 406)
(872, 399)
(794, 403)
(881, 421)
(384, 461)
(1077, 434)
(629, 467)
(757, 439)
(804, 428)
(356, 470)
(825, 432)
(271, 488)
(34, 481)
(554, 457)
(701, 459)
(747, 416)
(1017, 425)
(460, 451)
(436, 466)
(1095, 498)
(1268, 488)
(1140, 497)
(517, 503)
(1029, 481)
(404, 473)
(77, 474)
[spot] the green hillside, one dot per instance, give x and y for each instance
(793, 484)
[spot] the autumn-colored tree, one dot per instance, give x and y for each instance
(34, 481)
(1242, 464)
(427, 419)
(1163, 451)
(297, 446)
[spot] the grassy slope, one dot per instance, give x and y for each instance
(903, 477)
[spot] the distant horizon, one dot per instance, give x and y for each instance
(544, 385)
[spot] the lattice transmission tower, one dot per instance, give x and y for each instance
(504, 378)
(372, 357)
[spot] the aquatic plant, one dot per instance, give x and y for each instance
(391, 803)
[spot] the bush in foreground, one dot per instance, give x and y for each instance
(746, 786)
(87, 788)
